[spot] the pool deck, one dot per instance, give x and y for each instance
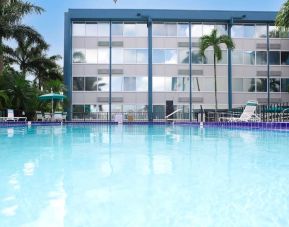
(244, 125)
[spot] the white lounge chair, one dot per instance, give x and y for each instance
(64, 115)
(57, 116)
(39, 116)
(47, 116)
(10, 116)
(247, 115)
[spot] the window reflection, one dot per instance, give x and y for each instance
(91, 29)
(103, 56)
(261, 57)
(243, 31)
(78, 29)
(78, 56)
(183, 30)
(171, 56)
(261, 85)
(196, 30)
(129, 29)
(183, 57)
(142, 56)
(285, 85)
(91, 55)
(116, 84)
(103, 29)
(129, 84)
(285, 58)
(158, 56)
(275, 85)
(249, 57)
(261, 31)
(103, 83)
(141, 84)
(116, 29)
(237, 57)
(117, 56)
(274, 57)
(91, 84)
(78, 84)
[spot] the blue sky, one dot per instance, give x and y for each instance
(50, 24)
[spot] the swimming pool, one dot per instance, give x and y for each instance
(109, 175)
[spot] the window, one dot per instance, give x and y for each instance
(209, 59)
(116, 84)
(183, 30)
(177, 84)
(91, 29)
(78, 56)
(196, 30)
(196, 57)
(159, 29)
(116, 29)
(171, 56)
(78, 83)
(203, 84)
(91, 55)
(261, 57)
(274, 57)
(141, 30)
(222, 29)
(117, 56)
(207, 29)
(261, 85)
(237, 57)
(158, 84)
(261, 31)
(103, 83)
(285, 58)
(249, 85)
(183, 57)
(91, 84)
(129, 84)
(243, 31)
(103, 29)
(285, 85)
(129, 29)
(130, 56)
(249, 57)
(158, 56)
(78, 108)
(237, 84)
(141, 56)
(273, 32)
(171, 29)
(103, 56)
(141, 84)
(78, 29)
(275, 85)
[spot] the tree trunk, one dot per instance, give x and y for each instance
(1, 56)
(215, 77)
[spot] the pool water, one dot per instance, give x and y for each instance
(135, 176)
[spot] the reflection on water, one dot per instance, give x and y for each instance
(142, 176)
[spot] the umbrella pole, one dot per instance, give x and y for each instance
(52, 105)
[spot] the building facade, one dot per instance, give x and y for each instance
(137, 60)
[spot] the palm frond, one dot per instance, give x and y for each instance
(282, 19)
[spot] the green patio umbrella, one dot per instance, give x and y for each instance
(53, 97)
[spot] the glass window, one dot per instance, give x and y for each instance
(177, 84)
(183, 57)
(91, 29)
(237, 57)
(243, 31)
(209, 57)
(158, 56)
(78, 83)
(196, 57)
(275, 85)
(222, 84)
(141, 30)
(117, 56)
(91, 55)
(91, 83)
(129, 84)
(103, 56)
(159, 29)
(130, 56)
(78, 29)
(237, 31)
(196, 30)
(261, 85)
(158, 84)
(116, 29)
(285, 85)
(186, 83)
(261, 31)
(222, 29)
(103, 29)
(274, 57)
(171, 56)
(207, 29)
(237, 84)
(249, 85)
(78, 108)
(183, 30)
(141, 83)
(273, 32)
(78, 56)
(203, 84)
(285, 58)
(129, 29)
(249, 57)
(103, 83)
(261, 57)
(224, 59)
(142, 56)
(116, 83)
(171, 29)
(249, 31)
(129, 108)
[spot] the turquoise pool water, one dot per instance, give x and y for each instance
(135, 176)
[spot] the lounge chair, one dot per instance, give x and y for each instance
(57, 116)
(39, 116)
(47, 116)
(64, 115)
(247, 115)
(10, 116)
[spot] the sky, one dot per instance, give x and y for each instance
(51, 23)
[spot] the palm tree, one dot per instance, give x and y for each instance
(282, 19)
(214, 41)
(3, 99)
(11, 14)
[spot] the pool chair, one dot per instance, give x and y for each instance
(11, 117)
(47, 116)
(64, 115)
(39, 116)
(248, 114)
(57, 116)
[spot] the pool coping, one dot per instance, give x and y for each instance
(247, 125)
